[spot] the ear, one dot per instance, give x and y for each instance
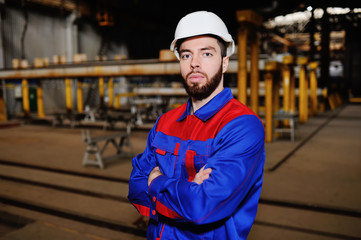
(225, 64)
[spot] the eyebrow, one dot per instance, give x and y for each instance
(202, 49)
(184, 50)
(208, 48)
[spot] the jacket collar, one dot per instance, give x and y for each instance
(210, 108)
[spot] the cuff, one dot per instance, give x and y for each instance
(155, 189)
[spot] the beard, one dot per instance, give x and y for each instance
(198, 92)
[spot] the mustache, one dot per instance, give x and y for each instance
(198, 72)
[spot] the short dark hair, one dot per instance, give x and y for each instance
(222, 44)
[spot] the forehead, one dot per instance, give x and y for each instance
(200, 42)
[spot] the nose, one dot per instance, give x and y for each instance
(195, 62)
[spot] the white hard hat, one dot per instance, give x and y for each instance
(202, 23)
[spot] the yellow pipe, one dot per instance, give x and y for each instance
(25, 90)
(79, 96)
(254, 74)
(101, 91)
(40, 101)
(242, 64)
(268, 111)
(313, 88)
(111, 92)
(68, 98)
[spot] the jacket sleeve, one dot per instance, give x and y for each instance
(237, 168)
(143, 164)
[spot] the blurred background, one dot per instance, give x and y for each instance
(83, 81)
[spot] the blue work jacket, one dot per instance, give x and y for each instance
(224, 135)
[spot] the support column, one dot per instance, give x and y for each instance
(40, 100)
(68, 98)
(117, 101)
(25, 91)
(79, 96)
(286, 79)
(101, 91)
(313, 88)
(303, 90)
(111, 92)
(292, 92)
(242, 64)
(248, 21)
(271, 103)
(255, 73)
(3, 114)
(268, 79)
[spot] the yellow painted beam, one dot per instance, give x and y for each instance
(3, 112)
(3, 116)
(286, 79)
(242, 64)
(249, 16)
(117, 102)
(111, 92)
(40, 100)
(268, 78)
(293, 93)
(313, 88)
(303, 90)
(354, 100)
(247, 20)
(276, 96)
(25, 91)
(255, 73)
(271, 97)
(286, 85)
(79, 96)
(122, 68)
(101, 91)
(68, 97)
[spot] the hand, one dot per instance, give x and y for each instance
(154, 174)
(202, 175)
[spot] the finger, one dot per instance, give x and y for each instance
(204, 177)
(207, 171)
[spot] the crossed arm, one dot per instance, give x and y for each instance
(202, 175)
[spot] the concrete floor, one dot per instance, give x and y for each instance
(311, 187)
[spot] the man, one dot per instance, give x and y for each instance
(200, 175)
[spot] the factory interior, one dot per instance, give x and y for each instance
(82, 82)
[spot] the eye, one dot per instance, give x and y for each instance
(207, 54)
(185, 56)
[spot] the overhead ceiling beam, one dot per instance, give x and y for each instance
(68, 5)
